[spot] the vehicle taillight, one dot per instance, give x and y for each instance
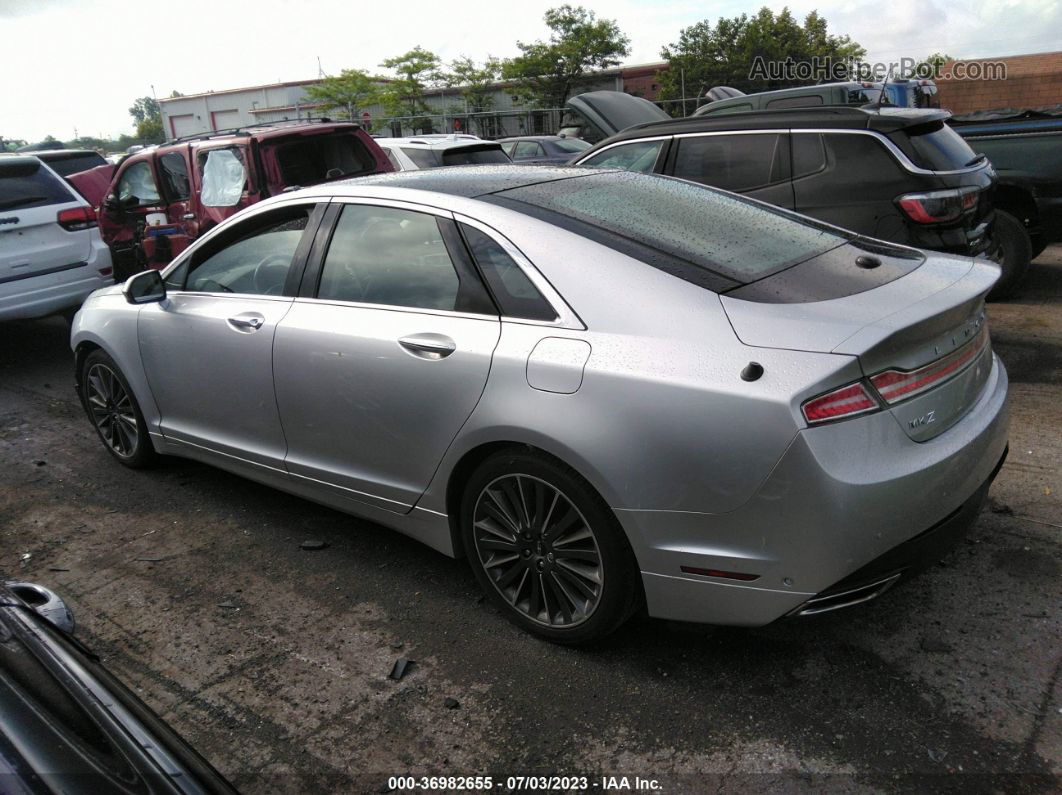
(848, 401)
(938, 206)
(897, 385)
(76, 219)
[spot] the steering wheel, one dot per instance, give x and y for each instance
(270, 273)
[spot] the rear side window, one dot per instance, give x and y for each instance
(809, 154)
(515, 294)
(570, 145)
(319, 158)
(939, 148)
(25, 183)
(383, 255)
(422, 157)
(224, 177)
(638, 156)
(526, 149)
(806, 101)
(731, 162)
(683, 228)
(174, 170)
(474, 155)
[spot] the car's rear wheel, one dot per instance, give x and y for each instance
(114, 412)
(547, 549)
(1013, 255)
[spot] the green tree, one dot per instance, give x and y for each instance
(475, 82)
(547, 72)
(724, 54)
(415, 71)
(147, 117)
(349, 91)
(929, 67)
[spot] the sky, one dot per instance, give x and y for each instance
(79, 64)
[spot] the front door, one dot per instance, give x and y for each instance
(379, 366)
(207, 347)
(134, 204)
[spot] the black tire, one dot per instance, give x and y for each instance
(545, 572)
(113, 411)
(1014, 255)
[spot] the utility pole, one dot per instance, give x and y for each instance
(682, 77)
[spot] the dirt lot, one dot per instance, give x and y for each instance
(273, 661)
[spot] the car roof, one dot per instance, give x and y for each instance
(465, 181)
(263, 130)
(840, 117)
(62, 154)
(434, 141)
(535, 138)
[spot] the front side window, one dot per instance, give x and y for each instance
(383, 255)
(138, 182)
(174, 171)
(254, 258)
(515, 294)
(731, 162)
(525, 149)
(224, 177)
(639, 156)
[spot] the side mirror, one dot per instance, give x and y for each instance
(144, 288)
(46, 603)
(111, 203)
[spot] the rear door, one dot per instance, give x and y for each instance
(753, 163)
(226, 182)
(32, 243)
(384, 355)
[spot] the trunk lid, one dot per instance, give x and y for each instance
(605, 113)
(931, 315)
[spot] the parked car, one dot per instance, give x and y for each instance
(896, 174)
(552, 149)
(68, 725)
(51, 254)
(1025, 148)
(597, 385)
(899, 93)
(433, 151)
(162, 198)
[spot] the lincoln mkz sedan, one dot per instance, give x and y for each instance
(605, 389)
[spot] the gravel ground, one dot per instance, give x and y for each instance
(273, 661)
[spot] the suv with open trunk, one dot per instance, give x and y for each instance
(163, 197)
(897, 174)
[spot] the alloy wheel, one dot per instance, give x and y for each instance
(538, 550)
(112, 411)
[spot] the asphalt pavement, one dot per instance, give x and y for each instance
(273, 660)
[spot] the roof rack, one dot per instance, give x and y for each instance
(252, 127)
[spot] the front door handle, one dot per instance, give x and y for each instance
(188, 217)
(428, 346)
(247, 323)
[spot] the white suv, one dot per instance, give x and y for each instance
(51, 253)
(432, 151)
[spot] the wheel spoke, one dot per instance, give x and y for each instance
(112, 410)
(500, 560)
(576, 582)
(501, 512)
(586, 555)
(586, 572)
(573, 535)
(490, 525)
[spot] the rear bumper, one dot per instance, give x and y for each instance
(845, 502)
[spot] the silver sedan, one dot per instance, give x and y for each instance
(608, 391)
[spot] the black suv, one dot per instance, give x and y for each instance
(898, 174)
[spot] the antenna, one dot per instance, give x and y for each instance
(881, 96)
(320, 72)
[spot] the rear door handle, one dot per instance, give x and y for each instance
(246, 323)
(428, 346)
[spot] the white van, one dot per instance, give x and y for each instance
(51, 253)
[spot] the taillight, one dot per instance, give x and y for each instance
(848, 401)
(939, 206)
(897, 385)
(76, 219)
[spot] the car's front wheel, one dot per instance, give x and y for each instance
(547, 549)
(114, 412)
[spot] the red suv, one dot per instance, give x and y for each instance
(162, 198)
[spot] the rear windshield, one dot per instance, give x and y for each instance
(702, 227)
(474, 155)
(72, 164)
(571, 145)
(25, 183)
(319, 158)
(939, 148)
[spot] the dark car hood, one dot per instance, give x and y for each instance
(608, 112)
